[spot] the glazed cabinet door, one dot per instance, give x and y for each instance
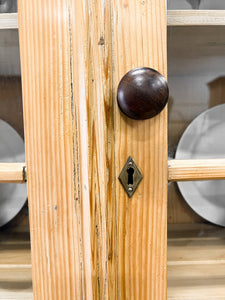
(89, 240)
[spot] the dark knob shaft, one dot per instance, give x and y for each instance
(142, 93)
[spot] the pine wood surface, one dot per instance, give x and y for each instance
(8, 21)
(195, 17)
(195, 244)
(16, 283)
(12, 172)
(102, 245)
(92, 90)
(174, 18)
(198, 281)
(14, 255)
(178, 170)
(196, 169)
(139, 39)
(59, 242)
(15, 264)
(196, 265)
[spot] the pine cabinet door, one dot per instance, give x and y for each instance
(89, 240)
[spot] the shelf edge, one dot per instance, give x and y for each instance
(195, 17)
(9, 21)
(12, 173)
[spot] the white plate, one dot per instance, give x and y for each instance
(12, 195)
(205, 138)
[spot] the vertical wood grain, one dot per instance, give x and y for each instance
(139, 39)
(89, 241)
(58, 194)
(92, 86)
(69, 144)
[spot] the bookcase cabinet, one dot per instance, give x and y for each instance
(196, 76)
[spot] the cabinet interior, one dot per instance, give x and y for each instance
(196, 76)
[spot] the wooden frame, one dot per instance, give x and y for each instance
(8, 21)
(196, 169)
(89, 240)
(178, 170)
(85, 232)
(12, 172)
(195, 17)
(174, 18)
(104, 251)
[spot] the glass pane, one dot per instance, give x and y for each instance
(15, 259)
(8, 6)
(195, 4)
(196, 244)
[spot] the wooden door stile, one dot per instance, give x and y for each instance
(88, 239)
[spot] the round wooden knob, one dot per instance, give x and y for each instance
(142, 93)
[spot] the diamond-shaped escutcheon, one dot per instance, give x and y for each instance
(130, 177)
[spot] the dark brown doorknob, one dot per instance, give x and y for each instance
(142, 93)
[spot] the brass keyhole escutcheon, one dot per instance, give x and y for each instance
(130, 177)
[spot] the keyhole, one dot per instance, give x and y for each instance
(130, 173)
